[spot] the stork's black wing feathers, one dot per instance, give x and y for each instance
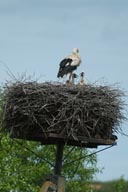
(66, 70)
(65, 61)
(64, 64)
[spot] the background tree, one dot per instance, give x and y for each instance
(24, 164)
(121, 185)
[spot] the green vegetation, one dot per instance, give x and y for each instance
(120, 185)
(23, 167)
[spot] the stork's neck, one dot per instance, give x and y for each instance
(77, 54)
(81, 78)
(73, 80)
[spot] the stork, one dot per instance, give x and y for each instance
(69, 64)
(82, 82)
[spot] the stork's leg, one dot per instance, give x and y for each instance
(70, 77)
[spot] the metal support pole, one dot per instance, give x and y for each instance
(59, 186)
(59, 156)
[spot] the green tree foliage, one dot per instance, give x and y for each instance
(120, 185)
(24, 165)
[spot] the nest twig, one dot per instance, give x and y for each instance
(88, 110)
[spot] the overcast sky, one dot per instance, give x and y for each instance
(36, 34)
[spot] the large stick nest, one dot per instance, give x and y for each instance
(71, 111)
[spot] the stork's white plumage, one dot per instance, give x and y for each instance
(69, 64)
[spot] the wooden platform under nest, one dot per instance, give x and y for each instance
(55, 139)
(85, 116)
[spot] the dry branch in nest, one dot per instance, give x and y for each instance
(33, 108)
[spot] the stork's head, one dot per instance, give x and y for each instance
(82, 74)
(74, 75)
(75, 50)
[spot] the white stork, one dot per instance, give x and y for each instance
(69, 64)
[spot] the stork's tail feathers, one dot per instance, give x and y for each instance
(59, 74)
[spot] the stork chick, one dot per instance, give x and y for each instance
(74, 76)
(82, 81)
